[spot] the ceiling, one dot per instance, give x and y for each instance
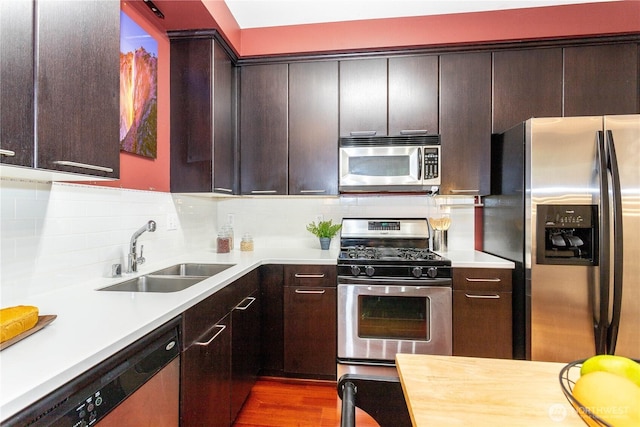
(271, 13)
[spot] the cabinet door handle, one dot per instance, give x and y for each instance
(220, 327)
(413, 132)
(7, 153)
(313, 191)
(494, 296)
(263, 191)
(244, 307)
(491, 279)
(309, 276)
(310, 291)
(363, 133)
(83, 166)
(224, 190)
(465, 191)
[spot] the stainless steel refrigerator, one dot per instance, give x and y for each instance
(565, 207)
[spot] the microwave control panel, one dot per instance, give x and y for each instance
(431, 162)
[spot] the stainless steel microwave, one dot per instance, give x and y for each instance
(389, 164)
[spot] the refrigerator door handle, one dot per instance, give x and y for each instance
(601, 310)
(612, 164)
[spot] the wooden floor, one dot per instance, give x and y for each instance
(276, 402)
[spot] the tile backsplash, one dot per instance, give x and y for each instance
(56, 234)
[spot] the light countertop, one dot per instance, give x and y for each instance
(468, 391)
(91, 326)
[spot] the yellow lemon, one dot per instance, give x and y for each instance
(618, 365)
(610, 397)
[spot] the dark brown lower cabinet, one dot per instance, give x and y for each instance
(310, 347)
(220, 359)
(245, 350)
(272, 320)
(206, 378)
(482, 320)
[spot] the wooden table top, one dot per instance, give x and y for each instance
(473, 392)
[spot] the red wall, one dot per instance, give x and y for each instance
(551, 22)
(139, 172)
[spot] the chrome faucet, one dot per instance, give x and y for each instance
(134, 260)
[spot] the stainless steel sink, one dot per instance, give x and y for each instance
(171, 279)
(149, 283)
(188, 269)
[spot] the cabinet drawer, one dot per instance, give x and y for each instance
(484, 279)
(199, 318)
(310, 275)
(482, 324)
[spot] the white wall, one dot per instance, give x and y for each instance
(281, 221)
(56, 235)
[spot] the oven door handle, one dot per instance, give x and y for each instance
(383, 281)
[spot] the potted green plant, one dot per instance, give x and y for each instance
(324, 230)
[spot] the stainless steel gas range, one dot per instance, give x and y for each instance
(394, 295)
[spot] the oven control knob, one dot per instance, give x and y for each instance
(355, 270)
(432, 272)
(369, 270)
(417, 271)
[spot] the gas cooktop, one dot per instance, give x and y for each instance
(390, 254)
(389, 248)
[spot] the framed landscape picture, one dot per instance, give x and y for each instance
(138, 89)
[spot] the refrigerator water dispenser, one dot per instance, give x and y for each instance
(567, 234)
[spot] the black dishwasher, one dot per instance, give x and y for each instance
(136, 385)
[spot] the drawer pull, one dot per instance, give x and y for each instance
(310, 292)
(263, 191)
(494, 296)
(313, 191)
(7, 153)
(204, 344)
(413, 132)
(244, 307)
(224, 190)
(491, 279)
(309, 276)
(363, 133)
(83, 166)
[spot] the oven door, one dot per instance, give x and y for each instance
(377, 320)
(380, 168)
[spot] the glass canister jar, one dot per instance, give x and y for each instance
(223, 242)
(246, 244)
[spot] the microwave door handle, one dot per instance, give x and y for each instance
(419, 164)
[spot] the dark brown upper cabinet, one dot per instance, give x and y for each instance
(264, 129)
(465, 123)
(395, 96)
(413, 94)
(313, 128)
(203, 143)
(601, 79)
(75, 99)
(16, 83)
(526, 83)
(363, 97)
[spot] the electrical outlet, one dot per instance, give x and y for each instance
(319, 218)
(230, 219)
(172, 222)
